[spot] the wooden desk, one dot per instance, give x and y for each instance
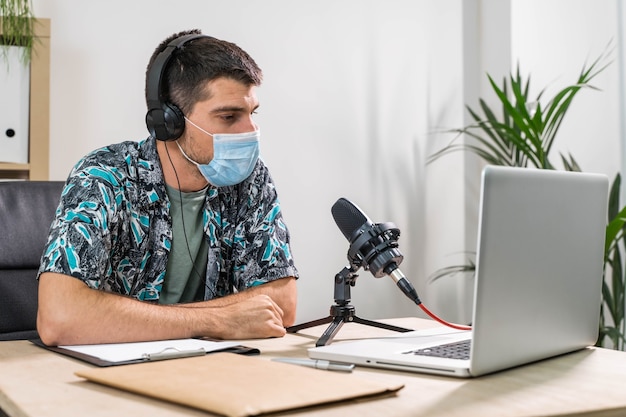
(37, 382)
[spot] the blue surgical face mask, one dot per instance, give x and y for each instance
(234, 157)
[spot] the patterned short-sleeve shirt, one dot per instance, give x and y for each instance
(113, 228)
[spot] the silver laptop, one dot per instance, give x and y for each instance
(538, 280)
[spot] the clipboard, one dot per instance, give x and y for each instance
(115, 354)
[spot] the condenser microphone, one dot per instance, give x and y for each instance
(373, 246)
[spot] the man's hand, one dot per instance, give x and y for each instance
(254, 317)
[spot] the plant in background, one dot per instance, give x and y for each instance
(522, 135)
(613, 320)
(17, 24)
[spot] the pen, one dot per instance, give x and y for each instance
(318, 364)
(172, 353)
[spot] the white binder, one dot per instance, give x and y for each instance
(14, 106)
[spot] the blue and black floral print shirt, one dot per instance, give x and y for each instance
(113, 229)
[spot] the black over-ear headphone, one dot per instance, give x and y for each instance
(165, 121)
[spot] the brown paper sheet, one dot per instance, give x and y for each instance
(237, 386)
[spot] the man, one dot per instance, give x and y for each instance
(180, 235)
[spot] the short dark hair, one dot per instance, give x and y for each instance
(199, 61)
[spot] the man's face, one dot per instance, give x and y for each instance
(229, 109)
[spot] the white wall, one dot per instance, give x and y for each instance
(354, 96)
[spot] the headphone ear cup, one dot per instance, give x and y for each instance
(174, 121)
(166, 123)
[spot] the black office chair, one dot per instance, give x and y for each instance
(26, 212)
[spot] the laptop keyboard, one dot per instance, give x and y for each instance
(455, 350)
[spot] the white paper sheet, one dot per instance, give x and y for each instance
(120, 352)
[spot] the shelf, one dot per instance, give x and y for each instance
(11, 171)
(39, 113)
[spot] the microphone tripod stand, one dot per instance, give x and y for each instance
(342, 312)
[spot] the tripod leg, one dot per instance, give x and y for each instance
(380, 325)
(294, 329)
(330, 332)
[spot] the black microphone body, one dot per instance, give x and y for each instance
(373, 246)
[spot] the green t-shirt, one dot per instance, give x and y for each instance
(186, 266)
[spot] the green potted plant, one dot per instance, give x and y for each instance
(17, 26)
(522, 135)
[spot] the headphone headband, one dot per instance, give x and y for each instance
(165, 121)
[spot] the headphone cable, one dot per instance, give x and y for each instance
(182, 216)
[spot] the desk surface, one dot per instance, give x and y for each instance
(37, 382)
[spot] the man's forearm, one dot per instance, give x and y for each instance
(72, 313)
